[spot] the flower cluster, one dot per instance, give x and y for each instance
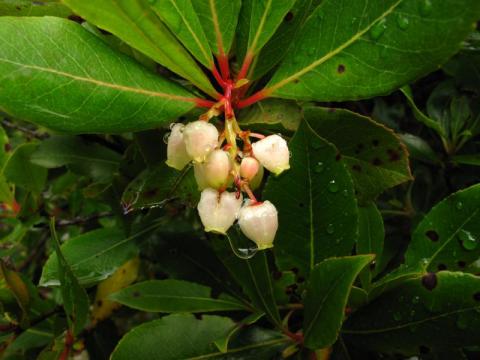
(219, 164)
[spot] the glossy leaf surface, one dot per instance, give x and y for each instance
(314, 199)
(61, 76)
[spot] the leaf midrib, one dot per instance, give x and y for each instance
(329, 55)
(196, 298)
(100, 82)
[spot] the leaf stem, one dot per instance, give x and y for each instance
(222, 59)
(245, 66)
(203, 103)
(258, 96)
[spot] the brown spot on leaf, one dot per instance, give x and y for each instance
(476, 296)
(99, 303)
(341, 69)
(441, 267)
(357, 167)
(289, 16)
(461, 264)
(7, 147)
(377, 162)
(393, 155)
(375, 142)
(429, 281)
(338, 157)
(432, 235)
(136, 294)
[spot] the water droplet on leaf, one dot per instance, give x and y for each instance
(426, 7)
(378, 29)
(330, 229)
(397, 316)
(402, 22)
(241, 246)
(469, 242)
(319, 167)
(459, 205)
(332, 186)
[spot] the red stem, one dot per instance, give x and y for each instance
(203, 103)
(224, 65)
(218, 77)
(245, 66)
(258, 96)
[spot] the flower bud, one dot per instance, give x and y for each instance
(200, 139)
(218, 211)
(273, 154)
(177, 156)
(259, 223)
(257, 180)
(217, 169)
(249, 168)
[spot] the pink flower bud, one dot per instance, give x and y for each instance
(217, 169)
(200, 139)
(259, 223)
(249, 168)
(218, 211)
(177, 156)
(273, 154)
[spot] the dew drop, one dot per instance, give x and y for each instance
(330, 229)
(315, 144)
(415, 299)
(378, 29)
(459, 205)
(319, 167)
(426, 7)
(397, 316)
(469, 242)
(165, 137)
(402, 22)
(345, 193)
(242, 247)
(332, 186)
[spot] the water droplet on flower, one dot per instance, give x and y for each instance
(459, 205)
(426, 7)
(332, 186)
(330, 229)
(241, 246)
(402, 22)
(469, 242)
(319, 167)
(378, 29)
(165, 137)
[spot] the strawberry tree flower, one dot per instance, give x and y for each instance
(218, 211)
(217, 169)
(201, 138)
(249, 168)
(259, 223)
(273, 153)
(177, 156)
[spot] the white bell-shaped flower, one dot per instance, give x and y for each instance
(259, 223)
(218, 211)
(199, 172)
(273, 153)
(201, 138)
(177, 156)
(249, 167)
(217, 169)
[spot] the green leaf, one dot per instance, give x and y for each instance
(258, 21)
(20, 171)
(75, 299)
(135, 22)
(172, 296)
(449, 235)
(6, 193)
(371, 234)
(253, 275)
(315, 202)
(183, 22)
(272, 114)
(33, 8)
(413, 317)
(374, 155)
(358, 49)
(4, 148)
(219, 20)
(327, 293)
(276, 48)
(107, 91)
(84, 158)
(473, 160)
(419, 149)
(92, 256)
(178, 336)
(159, 184)
(419, 115)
